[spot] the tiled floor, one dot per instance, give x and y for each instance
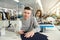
(53, 34)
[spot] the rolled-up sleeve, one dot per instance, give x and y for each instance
(36, 26)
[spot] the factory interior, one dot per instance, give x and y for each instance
(11, 12)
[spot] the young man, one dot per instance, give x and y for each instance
(30, 28)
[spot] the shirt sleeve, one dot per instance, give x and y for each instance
(36, 26)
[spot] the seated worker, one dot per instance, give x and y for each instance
(30, 29)
(39, 18)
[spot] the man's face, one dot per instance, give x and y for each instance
(27, 13)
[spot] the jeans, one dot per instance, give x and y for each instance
(37, 36)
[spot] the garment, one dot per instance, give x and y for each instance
(40, 20)
(37, 36)
(17, 24)
(30, 24)
(3, 16)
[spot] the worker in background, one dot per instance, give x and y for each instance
(39, 18)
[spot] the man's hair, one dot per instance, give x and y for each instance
(27, 8)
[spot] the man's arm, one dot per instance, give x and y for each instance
(37, 28)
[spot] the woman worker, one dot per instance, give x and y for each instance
(39, 18)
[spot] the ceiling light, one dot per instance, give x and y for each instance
(40, 4)
(16, 0)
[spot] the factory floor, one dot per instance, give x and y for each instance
(52, 33)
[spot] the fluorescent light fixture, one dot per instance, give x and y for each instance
(40, 4)
(16, 0)
(54, 7)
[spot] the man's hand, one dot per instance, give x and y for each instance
(21, 32)
(29, 34)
